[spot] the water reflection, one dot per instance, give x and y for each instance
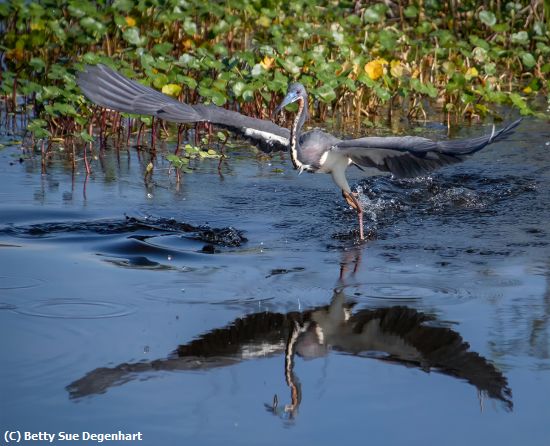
(397, 335)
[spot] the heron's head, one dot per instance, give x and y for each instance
(294, 93)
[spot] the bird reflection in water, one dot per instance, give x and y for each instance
(396, 335)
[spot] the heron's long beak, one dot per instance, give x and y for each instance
(289, 99)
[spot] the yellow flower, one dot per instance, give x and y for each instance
(37, 26)
(375, 68)
(187, 44)
(263, 21)
(267, 62)
(471, 73)
(172, 89)
(130, 21)
(528, 90)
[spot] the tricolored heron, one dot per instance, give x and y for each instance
(314, 151)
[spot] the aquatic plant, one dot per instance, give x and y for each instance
(360, 60)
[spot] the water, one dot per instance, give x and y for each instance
(239, 308)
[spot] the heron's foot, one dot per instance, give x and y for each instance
(352, 200)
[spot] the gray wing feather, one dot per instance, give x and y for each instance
(109, 89)
(410, 156)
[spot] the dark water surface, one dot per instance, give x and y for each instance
(239, 309)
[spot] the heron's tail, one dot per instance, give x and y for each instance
(107, 88)
(472, 145)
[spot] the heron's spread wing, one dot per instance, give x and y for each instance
(410, 156)
(437, 347)
(107, 88)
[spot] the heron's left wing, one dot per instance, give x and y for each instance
(108, 88)
(409, 156)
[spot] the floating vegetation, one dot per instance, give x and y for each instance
(359, 60)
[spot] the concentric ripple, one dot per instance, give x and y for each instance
(76, 309)
(409, 293)
(15, 283)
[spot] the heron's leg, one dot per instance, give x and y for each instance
(350, 257)
(353, 201)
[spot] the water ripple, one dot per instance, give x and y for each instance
(76, 309)
(14, 283)
(410, 293)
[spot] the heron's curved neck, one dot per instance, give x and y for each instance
(295, 132)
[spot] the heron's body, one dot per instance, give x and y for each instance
(314, 151)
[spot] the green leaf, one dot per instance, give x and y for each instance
(288, 65)
(430, 90)
(51, 92)
(518, 101)
(131, 35)
(64, 109)
(191, 149)
(520, 38)
(238, 88)
(85, 136)
(178, 162)
(186, 80)
(160, 80)
(476, 41)
(37, 63)
(501, 27)
(38, 128)
(490, 68)
(326, 93)
(424, 28)
(89, 23)
(162, 49)
(4, 9)
(91, 58)
(248, 95)
(189, 27)
(171, 89)
(411, 12)
(382, 93)
(387, 39)
(123, 5)
(542, 48)
(353, 19)
(217, 97)
(528, 60)
(488, 18)
(372, 16)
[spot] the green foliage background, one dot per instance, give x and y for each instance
(462, 55)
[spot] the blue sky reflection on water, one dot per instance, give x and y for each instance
(93, 311)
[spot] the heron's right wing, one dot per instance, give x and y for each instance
(405, 329)
(109, 89)
(409, 156)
